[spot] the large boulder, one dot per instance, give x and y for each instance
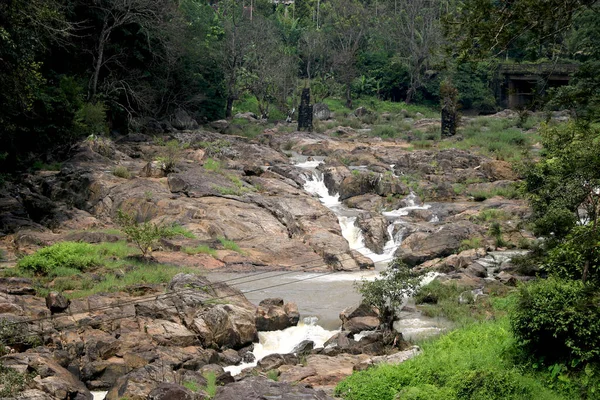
(56, 302)
(48, 376)
(273, 315)
(442, 242)
(225, 325)
(361, 318)
(171, 391)
(321, 112)
(181, 120)
(259, 388)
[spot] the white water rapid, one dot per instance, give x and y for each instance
(283, 342)
(315, 185)
(325, 295)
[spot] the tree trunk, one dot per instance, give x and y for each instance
(229, 107)
(99, 60)
(349, 95)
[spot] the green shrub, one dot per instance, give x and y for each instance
(170, 155)
(13, 382)
(436, 291)
(469, 363)
(60, 258)
(558, 320)
(212, 165)
(121, 172)
(90, 119)
(384, 131)
(569, 257)
(142, 234)
(472, 243)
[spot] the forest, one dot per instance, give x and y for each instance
(73, 68)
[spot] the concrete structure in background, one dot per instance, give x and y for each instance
(520, 85)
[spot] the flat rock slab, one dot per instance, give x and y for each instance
(259, 388)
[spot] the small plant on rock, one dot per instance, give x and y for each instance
(142, 234)
(121, 172)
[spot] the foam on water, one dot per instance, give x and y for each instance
(283, 342)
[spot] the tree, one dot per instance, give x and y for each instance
(564, 192)
(389, 292)
(417, 33)
(449, 96)
(267, 71)
(145, 15)
(480, 28)
(346, 27)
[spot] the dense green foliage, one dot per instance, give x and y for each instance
(559, 320)
(470, 363)
(70, 69)
(116, 266)
(60, 258)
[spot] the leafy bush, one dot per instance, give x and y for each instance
(121, 172)
(389, 292)
(142, 234)
(13, 382)
(61, 258)
(570, 257)
(90, 119)
(170, 155)
(558, 320)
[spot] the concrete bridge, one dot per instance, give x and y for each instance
(520, 85)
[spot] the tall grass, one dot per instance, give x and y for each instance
(469, 363)
(496, 137)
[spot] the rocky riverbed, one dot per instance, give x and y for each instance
(247, 201)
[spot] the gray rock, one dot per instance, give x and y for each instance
(56, 302)
(181, 120)
(321, 112)
(171, 391)
(260, 388)
(304, 347)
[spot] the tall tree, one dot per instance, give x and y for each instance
(346, 26)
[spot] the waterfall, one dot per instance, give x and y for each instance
(284, 342)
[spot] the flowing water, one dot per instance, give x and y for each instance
(321, 296)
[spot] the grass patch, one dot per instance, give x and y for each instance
(491, 215)
(202, 249)
(508, 192)
(83, 269)
(338, 106)
(212, 165)
(216, 148)
(230, 245)
(469, 363)
(60, 259)
(211, 384)
(457, 304)
(191, 385)
(472, 243)
(500, 138)
(121, 172)
(178, 230)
